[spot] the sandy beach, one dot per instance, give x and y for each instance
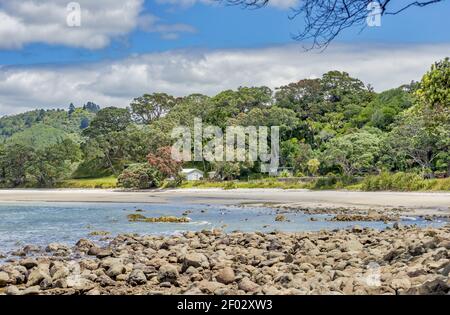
(419, 203)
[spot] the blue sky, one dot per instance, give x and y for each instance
(219, 26)
(148, 35)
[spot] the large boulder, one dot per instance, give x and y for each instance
(168, 273)
(137, 277)
(195, 260)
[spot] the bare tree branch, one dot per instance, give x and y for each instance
(326, 19)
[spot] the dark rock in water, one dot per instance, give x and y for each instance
(84, 244)
(31, 249)
(99, 233)
(19, 253)
(94, 250)
(163, 219)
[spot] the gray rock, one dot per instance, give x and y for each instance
(195, 260)
(168, 273)
(115, 270)
(60, 273)
(36, 276)
(137, 277)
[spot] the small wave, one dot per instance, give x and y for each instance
(408, 218)
(199, 223)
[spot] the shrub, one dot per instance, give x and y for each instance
(403, 182)
(139, 176)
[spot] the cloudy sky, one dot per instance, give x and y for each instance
(124, 48)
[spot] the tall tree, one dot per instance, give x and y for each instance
(150, 107)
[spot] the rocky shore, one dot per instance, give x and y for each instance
(399, 260)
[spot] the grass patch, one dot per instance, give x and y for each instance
(383, 182)
(103, 182)
(267, 183)
(404, 182)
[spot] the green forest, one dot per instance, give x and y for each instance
(333, 127)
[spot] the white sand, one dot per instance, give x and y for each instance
(420, 202)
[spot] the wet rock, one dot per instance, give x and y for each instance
(84, 244)
(29, 249)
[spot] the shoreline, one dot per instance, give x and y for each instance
(414, 203)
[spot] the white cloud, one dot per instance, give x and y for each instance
(45, 21)
(115, 83)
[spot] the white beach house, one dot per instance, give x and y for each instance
(192, 173)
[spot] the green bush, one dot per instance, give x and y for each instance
(139, 176)
(328, 182)
(403, 182)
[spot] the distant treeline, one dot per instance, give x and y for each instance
(333, 125)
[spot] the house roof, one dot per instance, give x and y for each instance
(190, 170)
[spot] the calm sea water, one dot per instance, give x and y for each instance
(40, 224)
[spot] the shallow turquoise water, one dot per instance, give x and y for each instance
(40, 224)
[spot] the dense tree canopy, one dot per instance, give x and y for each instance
(332, 124)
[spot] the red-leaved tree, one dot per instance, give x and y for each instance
(163, 162)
